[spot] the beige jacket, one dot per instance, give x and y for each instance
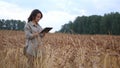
(31, 41)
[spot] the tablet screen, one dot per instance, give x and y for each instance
(46, 30)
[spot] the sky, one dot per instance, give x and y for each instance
(56, 12)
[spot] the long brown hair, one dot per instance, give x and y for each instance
(34, 14)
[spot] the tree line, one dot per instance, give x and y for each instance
(11, 24)
(94, 24)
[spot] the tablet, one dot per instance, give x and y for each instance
(46, 30)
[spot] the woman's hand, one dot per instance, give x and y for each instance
(42, 34)
(36, 34)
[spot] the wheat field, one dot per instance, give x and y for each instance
(62, 51)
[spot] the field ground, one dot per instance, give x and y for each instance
(62, 51)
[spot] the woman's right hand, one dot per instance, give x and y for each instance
(36, 34)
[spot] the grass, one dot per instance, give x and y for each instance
(62, 51)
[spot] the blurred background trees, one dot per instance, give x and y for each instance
(11, 24)
(94, 24)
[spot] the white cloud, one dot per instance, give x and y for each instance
(56, 12)
(52, 18)
(105, 4)
(13, 11)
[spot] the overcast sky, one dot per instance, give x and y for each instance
(56, 12)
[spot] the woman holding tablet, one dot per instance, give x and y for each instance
(33, 36)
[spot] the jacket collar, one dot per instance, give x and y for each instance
(33, 24)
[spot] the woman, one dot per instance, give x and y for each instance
(33, 36)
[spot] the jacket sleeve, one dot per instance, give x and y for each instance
(28, 32)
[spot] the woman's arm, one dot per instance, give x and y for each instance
(28, 32)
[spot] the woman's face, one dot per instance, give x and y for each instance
(38, 17)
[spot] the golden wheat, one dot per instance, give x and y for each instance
(62, 51)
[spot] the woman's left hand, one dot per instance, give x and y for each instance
(42, 34)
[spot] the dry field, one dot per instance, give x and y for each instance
(62, 51)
